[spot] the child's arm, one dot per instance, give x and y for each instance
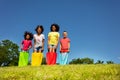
(69, 47)
(34, 44)
(57, 41)
(21, 45)
(43, 44)
(29, 48)
(48, 41)
(60, 47)
(57, 44)
(30, 45)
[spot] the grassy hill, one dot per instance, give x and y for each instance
(58, 72)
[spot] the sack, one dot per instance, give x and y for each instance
(51, 58)
(36, 59)
(23, 58)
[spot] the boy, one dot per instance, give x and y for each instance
(64, 48)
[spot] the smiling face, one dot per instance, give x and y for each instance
(53, 28)
(27, 37)
(39, 30)
(64, 34)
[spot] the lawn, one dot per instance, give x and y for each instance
(58, 72)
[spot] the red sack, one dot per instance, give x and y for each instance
(51, 58)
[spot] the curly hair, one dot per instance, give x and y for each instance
(39, 26)
(56, 26)
(28, 33)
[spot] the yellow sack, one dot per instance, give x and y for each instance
(36, 59)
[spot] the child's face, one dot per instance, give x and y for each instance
(39, 30)
(64, 34)
(27, 36)
(53, 28)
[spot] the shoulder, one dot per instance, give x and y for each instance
(42, 35)
(61, 39)
(23, 41)
(49, 33)
(68, 39)
(30, 41)
(57, 33)
(35, 35)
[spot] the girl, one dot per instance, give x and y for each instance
(25, 46)
(27, 42)
(53, 38)
(39, 39)
(64, 48)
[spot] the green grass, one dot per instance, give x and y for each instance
(57, 72)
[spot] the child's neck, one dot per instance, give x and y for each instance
(27, 39)
(64, 37)
(39, 34)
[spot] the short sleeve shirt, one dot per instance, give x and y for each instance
(54, 36)
(26, 44)
(39, 39)
(64, 43)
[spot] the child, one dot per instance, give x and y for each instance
(38, 46)
(25, 46)
(64, 48)
(39, 39)
(27, 42)
(53, 38)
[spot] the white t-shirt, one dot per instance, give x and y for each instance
(39, 39)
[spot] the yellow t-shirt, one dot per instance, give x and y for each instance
(54, 36)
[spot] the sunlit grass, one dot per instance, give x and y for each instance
(57, 72)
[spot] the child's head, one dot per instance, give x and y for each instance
(28, 35)
(64, 34)
(39, 29)
(54, 28)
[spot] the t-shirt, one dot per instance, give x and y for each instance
(64, 43)
(54, 36)
(26, 44)
(39, 39)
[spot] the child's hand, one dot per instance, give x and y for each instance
(21, 48)
(27, 50)
(42, 48)
(34, 48)
(68, 51)
(48, 47)
(55, 46)
(60, 51)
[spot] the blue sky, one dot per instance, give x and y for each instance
(93, 25)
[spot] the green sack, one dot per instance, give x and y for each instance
(23, 58)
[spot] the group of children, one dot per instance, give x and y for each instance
(53, 40)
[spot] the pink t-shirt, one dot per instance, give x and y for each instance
(64, 44)
(26, 44)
